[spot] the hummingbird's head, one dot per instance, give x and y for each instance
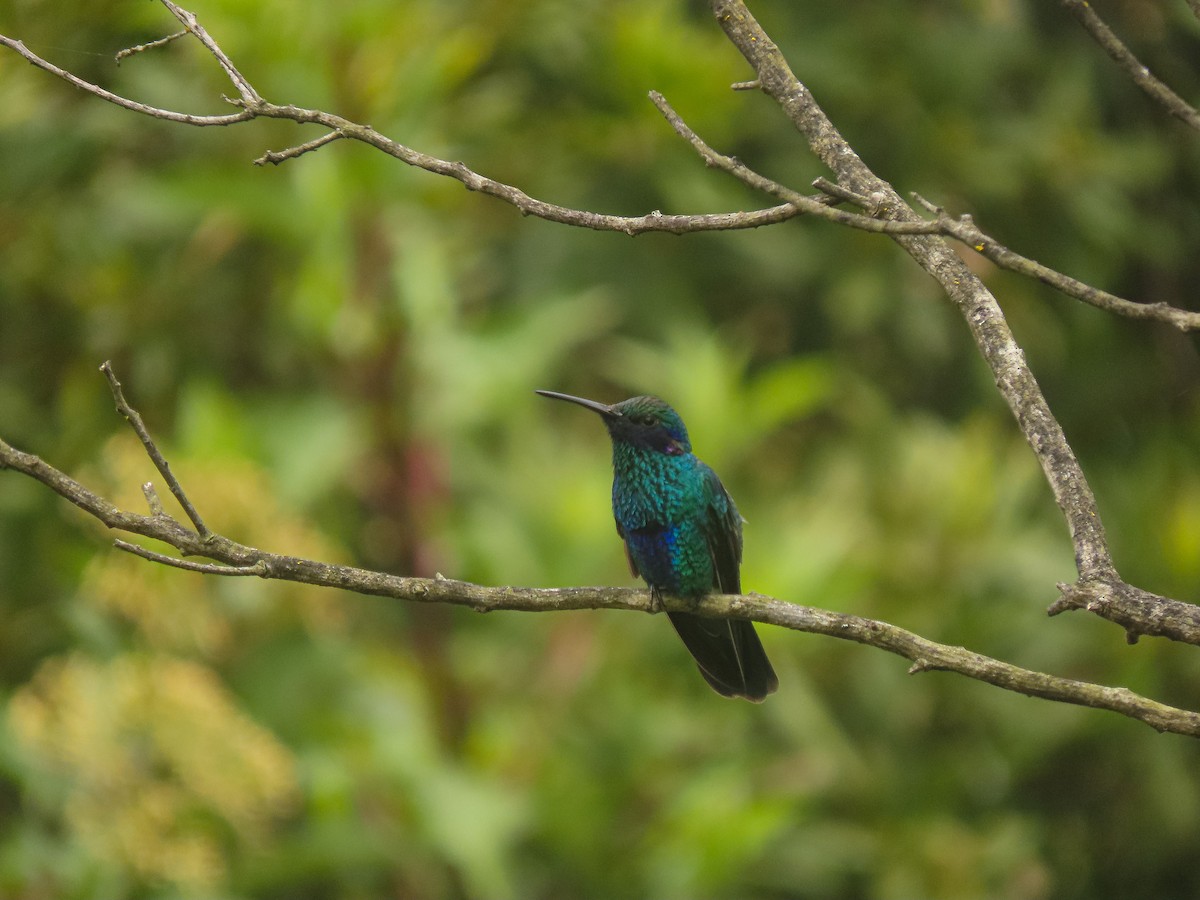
(644, 422)
(649, 422)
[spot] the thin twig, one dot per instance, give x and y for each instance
(131, 415)
(189, 21)
(258, 569)
(1141, 75)
(809, 205)
(965, 230)
(152, 499)
(240, 560)
(275, 157)
(152, 45)
(833, 189)
(125, 103)
(253, 107)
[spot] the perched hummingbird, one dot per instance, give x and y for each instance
(683, 535)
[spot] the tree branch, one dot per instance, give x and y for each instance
(276, 157)
(189, 22)
(135, 421)
(963, 229)
(988, 327)
(234, 559)
(165, 114)
(1139, 612)
(149, 45)
(750, 178)
(253, 106)
(980, 309)
(188, 565)
(1123, 56)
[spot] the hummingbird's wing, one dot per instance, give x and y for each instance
(633, 569)
(727, 651)
(723, 531)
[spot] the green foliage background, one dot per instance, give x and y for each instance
(339, 355)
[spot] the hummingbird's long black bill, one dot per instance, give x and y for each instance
(603, 408)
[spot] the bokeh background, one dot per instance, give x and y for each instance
(338, 356)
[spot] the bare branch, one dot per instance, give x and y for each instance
(962, 229)
(813, 206)
(135, 420)
(188, 20)
(965, 230)
(976, 304)
(151, 45)
(473, 181)
(1099, 588)
(152, 499)
(275, 157)
(234, 559)
(1139, 612)
(253, 107)
(188, 565)
(833, 189)
(1142, 76)
(166, 114)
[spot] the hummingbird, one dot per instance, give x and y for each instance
(682, 535)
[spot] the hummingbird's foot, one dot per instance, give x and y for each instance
(656, 604)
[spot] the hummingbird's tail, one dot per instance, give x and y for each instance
(729, 654)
